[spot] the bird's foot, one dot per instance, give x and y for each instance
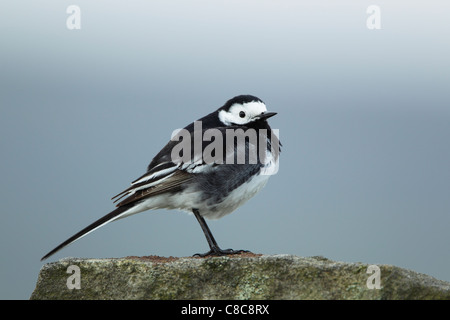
(216, 252)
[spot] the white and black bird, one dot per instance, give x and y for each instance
(207, 189)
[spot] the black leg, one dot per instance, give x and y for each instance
(215, 250)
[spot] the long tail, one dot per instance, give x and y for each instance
(93, 226)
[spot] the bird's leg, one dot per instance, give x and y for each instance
(215, 250)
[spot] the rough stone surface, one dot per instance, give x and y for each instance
(246, 276)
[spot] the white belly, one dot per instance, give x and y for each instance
(236, 198)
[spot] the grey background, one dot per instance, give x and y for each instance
(364, 117)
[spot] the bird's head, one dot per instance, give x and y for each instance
(243, 110)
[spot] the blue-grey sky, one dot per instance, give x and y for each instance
(363, 115)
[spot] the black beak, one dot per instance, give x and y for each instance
(266, 115)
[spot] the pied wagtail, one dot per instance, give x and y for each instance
(208, 190)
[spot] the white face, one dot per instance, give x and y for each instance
(242, 113)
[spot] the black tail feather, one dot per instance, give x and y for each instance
(103, 220)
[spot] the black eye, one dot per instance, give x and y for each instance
(242, 114)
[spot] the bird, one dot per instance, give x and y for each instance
(206, 189)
